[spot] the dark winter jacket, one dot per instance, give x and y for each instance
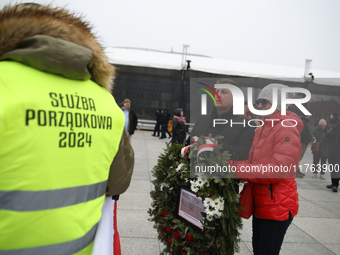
(158, 116)
(133, 121)
(305, 133)
(237, 137)
(334, 140)
(275, 192)
(165, 117)
(178, 128)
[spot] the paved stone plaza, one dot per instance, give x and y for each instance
(314, 231)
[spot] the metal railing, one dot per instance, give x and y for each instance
(150, 125)
(146, 124)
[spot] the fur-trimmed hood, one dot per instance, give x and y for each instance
(19, 22)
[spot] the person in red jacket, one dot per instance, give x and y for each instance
(271, 169)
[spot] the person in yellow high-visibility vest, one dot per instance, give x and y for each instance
(62, 139)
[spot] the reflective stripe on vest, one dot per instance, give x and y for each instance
(16, 200)
(58, 138)
(70, 247)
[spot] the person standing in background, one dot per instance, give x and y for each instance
(319, 135)
(166, 116)
(305, 140)
(334, 152)
(131, 119)
(178, 127)
(157, 128)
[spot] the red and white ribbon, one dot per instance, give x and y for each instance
(186, 148)
(106, 240)
(209, 146)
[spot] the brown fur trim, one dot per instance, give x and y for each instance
(19, 22)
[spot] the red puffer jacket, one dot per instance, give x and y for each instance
(278, 147)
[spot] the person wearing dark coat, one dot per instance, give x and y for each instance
(305, 140)
(333, 137)
(131, 119)
(238, 138)
(322, 154)
(178, 127)
(157, 128)
(164, 123)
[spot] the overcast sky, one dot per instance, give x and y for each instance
(281, 32)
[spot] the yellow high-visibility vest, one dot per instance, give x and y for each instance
(58, 138)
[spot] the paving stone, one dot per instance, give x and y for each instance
(135, 224)
(139, 246)
(322, 230)
(311, 210)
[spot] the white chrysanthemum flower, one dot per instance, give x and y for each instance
(209, 212)
(218, 214)
(207, 202)
(221, 208)
(200, 182)
(216, 203)
(221, 199)
(194, 188)
(179, 167)
(206, 182)
(210, 217)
